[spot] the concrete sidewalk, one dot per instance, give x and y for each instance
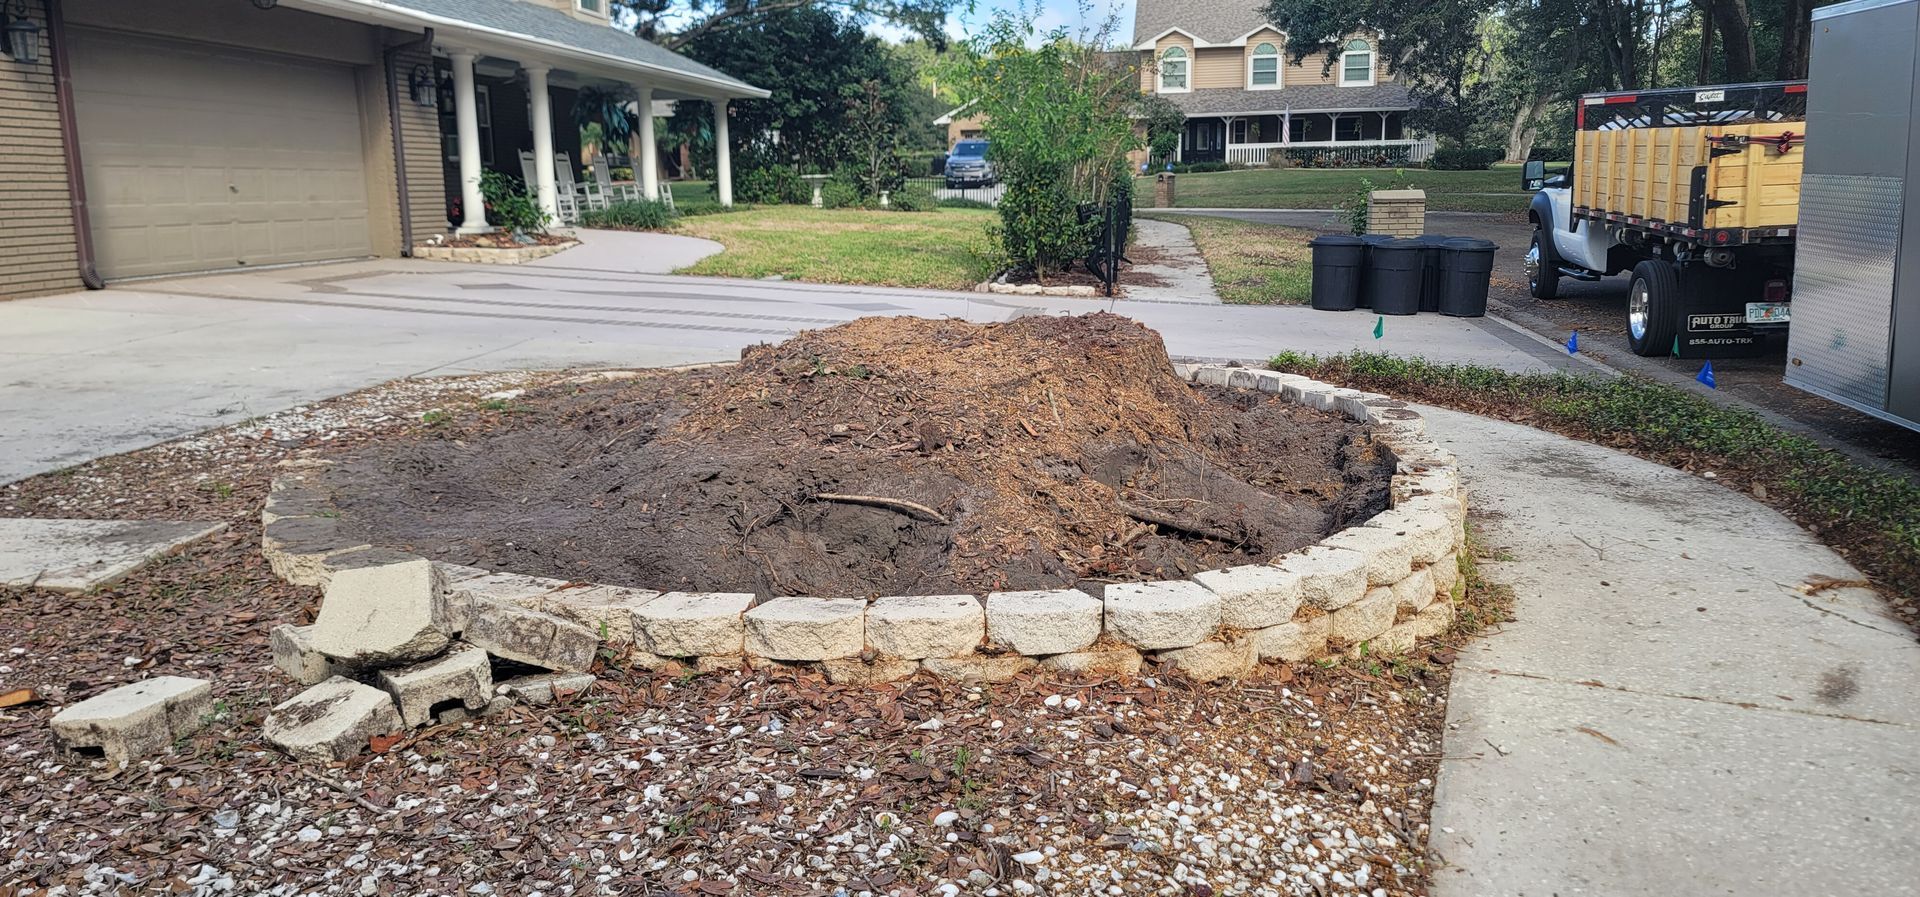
(1668, 714)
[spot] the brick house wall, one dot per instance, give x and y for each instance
(39, 250)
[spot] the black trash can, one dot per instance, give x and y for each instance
(1434, 256)
(1469, 267)
(1372, 240)
(1395, 269)
(1338, 261)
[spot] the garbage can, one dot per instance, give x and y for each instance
(1469, 267)
(1395, 269)
(1372, 240)
(1434, 258)
(1338, 260)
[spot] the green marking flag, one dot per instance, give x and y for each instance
(1379, 326)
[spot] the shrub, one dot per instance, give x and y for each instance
(840, 193)
(1464, 158)
(510, 204)
(912, 198)
(960, 202)
(643, 215)
(767, 184)
(1041, 228)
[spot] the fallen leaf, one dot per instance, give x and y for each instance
(381, 744)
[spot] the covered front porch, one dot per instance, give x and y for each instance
(1341, 137)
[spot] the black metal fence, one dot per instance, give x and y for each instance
(987, 194)
(1113, 221)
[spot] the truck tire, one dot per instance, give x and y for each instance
(1543, 272)
(1653, 308)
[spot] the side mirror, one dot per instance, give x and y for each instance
(1533, 175)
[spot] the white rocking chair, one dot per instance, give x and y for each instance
(566, 204)
(588, 194)
(603, 177)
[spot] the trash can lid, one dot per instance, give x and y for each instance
(1431, 239)
(1337, 240)
(1377, 239)
(1470, 243)
(1404, 243)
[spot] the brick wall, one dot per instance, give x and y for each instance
(1397, 213)
(38, 250)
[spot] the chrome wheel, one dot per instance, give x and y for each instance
(1533, 262)
(1638, 303)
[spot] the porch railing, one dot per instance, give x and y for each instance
(1349, 154)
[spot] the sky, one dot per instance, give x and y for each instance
(962, 23)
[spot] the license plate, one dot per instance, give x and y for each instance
(1769, 312)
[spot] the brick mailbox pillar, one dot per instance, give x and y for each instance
(1397, 213)
(1163, 190)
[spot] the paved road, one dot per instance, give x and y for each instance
(1667, 714)
(90, 374)
(1598, 311)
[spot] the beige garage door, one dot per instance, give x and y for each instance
(201, 158)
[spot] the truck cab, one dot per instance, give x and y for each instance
(1695, 192)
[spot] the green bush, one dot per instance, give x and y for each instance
(510, 204)
(1465, 158)
(1199, 167)
(1041, 226)
(643, 215)
(959, 202)
(840, 193)
(912, 198)
(767, 184)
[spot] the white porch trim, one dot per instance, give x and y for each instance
(466, 117)
(540, 108)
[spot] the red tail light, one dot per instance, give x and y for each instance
(1776, 291)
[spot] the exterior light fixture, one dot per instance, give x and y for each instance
(19, 35)
(421, 87)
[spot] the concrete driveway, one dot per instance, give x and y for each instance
(90, 374)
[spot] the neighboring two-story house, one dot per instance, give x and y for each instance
(1246, 99)
(141, 138)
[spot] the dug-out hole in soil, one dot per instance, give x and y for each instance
(887, 456)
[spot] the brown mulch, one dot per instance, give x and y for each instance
(888, 456)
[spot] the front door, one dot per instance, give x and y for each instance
(1205, 140)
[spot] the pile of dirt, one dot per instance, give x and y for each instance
(888, 456)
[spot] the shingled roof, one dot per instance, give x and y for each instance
(1299, 99)
(1213, 21)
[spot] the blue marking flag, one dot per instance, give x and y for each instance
(1706, 376)
(1379, 326)
(1573, 343)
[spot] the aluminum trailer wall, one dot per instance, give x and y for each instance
(1857, 265)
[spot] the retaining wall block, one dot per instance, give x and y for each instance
(462, 674)
(1429, 533)
(607, 610)
(854, 671)
(979, 667)
(1293, 641)
(1389, 553)
(803, 628)
(1231, 657)
(1212, 375)
(1158, 615)
(529, 636)
(1054, 621)
(332, 720)
(134, 720)
(378, 616)
(916, 626)
(1414, 593)
(1330, 578)
(694, 624)
(295, 655)
(1253, 596)
(1363, 619)
(1113, 661)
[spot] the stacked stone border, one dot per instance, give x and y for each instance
(1376, 588)
(492, 255)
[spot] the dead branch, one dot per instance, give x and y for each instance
(1161, 520)
(910, 508)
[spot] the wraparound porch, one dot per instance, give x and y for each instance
(1347, 137)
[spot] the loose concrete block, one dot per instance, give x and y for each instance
(1156, 615)
(1389, 553)
(1185, 371)
(1114, 661)
(1243, 378)
(360, 558)
(378, 616)
(1363, 619)
(1229, 658)
(1293, 641)
(979, 667)
(1310, 393)
(1419, 451)
(463, 675)
(607, 610)
(545, 688)
(531, 637)
(693, 624)
(1349, 403)
(1330, 578)
(296, 548)
(1056, 621)
(295, 655)
(916, 626)
(1413, 594)
(1275, 382)
(1212, 375)
(456, 574)
(807, 628)
(1445, 573)
(1253, 596)
(332, 720)
(134, 720)
(456, 605)
(1429, 534)
(854, 671)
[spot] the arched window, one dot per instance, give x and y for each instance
(1173, 70)
(1356, 64)
(1263, 67)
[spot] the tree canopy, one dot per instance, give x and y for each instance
(676, 24)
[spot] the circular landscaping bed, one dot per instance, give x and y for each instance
(889, 456)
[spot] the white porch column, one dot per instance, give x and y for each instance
(722, 154)
(647, 167)
(540, 106)
(473, 206)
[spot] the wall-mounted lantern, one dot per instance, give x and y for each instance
(19, 35)
(421, 87)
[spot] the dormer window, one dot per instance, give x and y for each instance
(1173, 70)
(1356, 64)
(1263, 67)
(597, 7)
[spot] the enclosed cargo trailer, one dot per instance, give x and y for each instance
(1857, 276)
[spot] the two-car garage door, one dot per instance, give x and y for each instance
(201, 158)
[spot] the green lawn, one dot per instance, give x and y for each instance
(940, 249)
(1326, 188)
(1251, 264)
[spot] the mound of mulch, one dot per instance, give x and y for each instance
(885, 456)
